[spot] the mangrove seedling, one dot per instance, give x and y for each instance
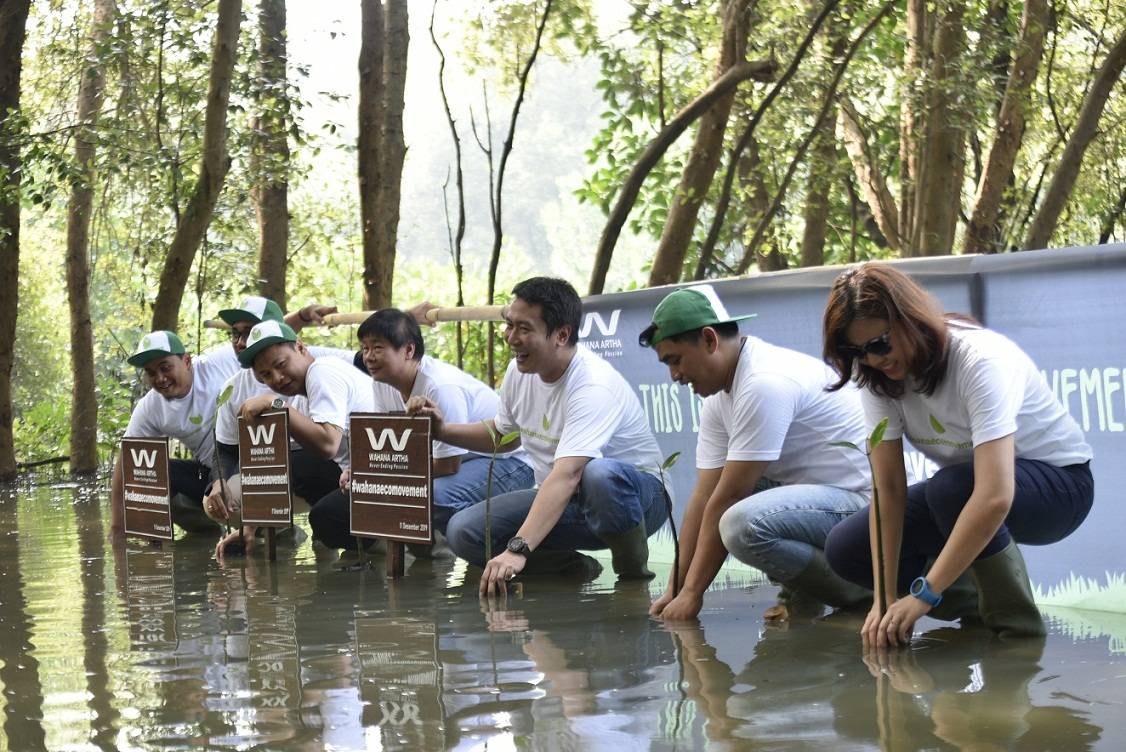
(498, 442)
(871, 443)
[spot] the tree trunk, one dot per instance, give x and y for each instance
(370, 150)
(911, 110)
(13, 24)
(212, 171)
(271, 154)
(84, 403)
(704, 157)
(938, 184)
(1059, 190)
(983, 234)
(761, 70)
(868, 174)
(393, 146)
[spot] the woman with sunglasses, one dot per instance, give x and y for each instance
(1014, 466)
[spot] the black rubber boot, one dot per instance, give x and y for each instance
(629, 553)
(1005, 594)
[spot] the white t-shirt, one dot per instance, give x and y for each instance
(190, 418)
(460, 397)
(337, 389)
(245, 385)
(591, 411)
(779, 412)
(992, 389)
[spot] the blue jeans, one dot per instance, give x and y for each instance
(1049, 503)
(613, 497)
(778, 530)
(469, 485)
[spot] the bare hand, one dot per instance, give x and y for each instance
(659, 605)
(683, 607)
(418, 313)
(893, 628)
(315, 313)
(232, 539)
(213, 505)
(499, 570)
(255, 406)
(345, 477)
(426, 407)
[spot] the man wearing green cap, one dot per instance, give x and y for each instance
(182, 401)
(769, 483)
(332, 388)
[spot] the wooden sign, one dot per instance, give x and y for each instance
(145, 488)
(263, 451)
(391, 487)
(401, 680)
(151, 598)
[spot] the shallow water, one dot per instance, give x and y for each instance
(135, 647)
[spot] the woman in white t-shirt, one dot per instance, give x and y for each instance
(1014, 466)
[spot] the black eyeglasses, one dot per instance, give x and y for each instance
(878, 346)
(236, 335)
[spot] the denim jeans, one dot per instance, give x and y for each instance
(613, 497)
(329, 517)
(778, 530)
(469, 485)
(1049, 503)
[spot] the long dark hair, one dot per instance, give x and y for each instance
(879, 291)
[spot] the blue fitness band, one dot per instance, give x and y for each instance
(921, 590)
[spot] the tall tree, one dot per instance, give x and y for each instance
(271, 153)
(382, 149)
(84, 401)
(704, 158)
(13, 25)
(983, 234)
(1086, 128)
(214, 164)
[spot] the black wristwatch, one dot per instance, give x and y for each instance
(518, 545)
(278, 403)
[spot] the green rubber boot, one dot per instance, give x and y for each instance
(818, 580)
(561, 563)
(629, 553)
(959, 602)
(1005, 594)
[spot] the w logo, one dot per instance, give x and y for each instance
(143, 458)
(595, 318)
(388, 434)
(261, 434)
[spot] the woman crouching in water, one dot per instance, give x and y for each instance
(1014, 466)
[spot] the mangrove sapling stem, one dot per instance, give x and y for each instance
(666, 465)
(498, 442)
(870, 444)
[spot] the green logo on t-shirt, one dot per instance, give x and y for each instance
(546, 423)
(938, 427)
(195, 420)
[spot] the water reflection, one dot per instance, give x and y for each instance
(134, 647)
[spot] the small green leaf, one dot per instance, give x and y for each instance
(670, 460)
(508, 438)
(226, 395)
(492, 431)
(195, 420)
(844, 444)
(938, 427)
(878, 434)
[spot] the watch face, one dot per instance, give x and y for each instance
(518, 546)
(278, 403)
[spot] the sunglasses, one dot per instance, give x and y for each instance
(878, 346)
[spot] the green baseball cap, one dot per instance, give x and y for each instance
(253, 309)
(156, 344)
(686, 310)
(262, 336)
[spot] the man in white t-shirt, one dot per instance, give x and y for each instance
(594, 457)
(334, 389)
(769, 484)
(394, 353)
(181, 405)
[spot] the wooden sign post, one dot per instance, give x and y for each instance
(146, 490)
(391, 488)
(263, 449)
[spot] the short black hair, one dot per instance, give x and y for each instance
(725, 330)
(558, 301)
(396, 327)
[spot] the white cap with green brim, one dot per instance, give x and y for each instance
(262, 336)
(253, 309)
(156, 344)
